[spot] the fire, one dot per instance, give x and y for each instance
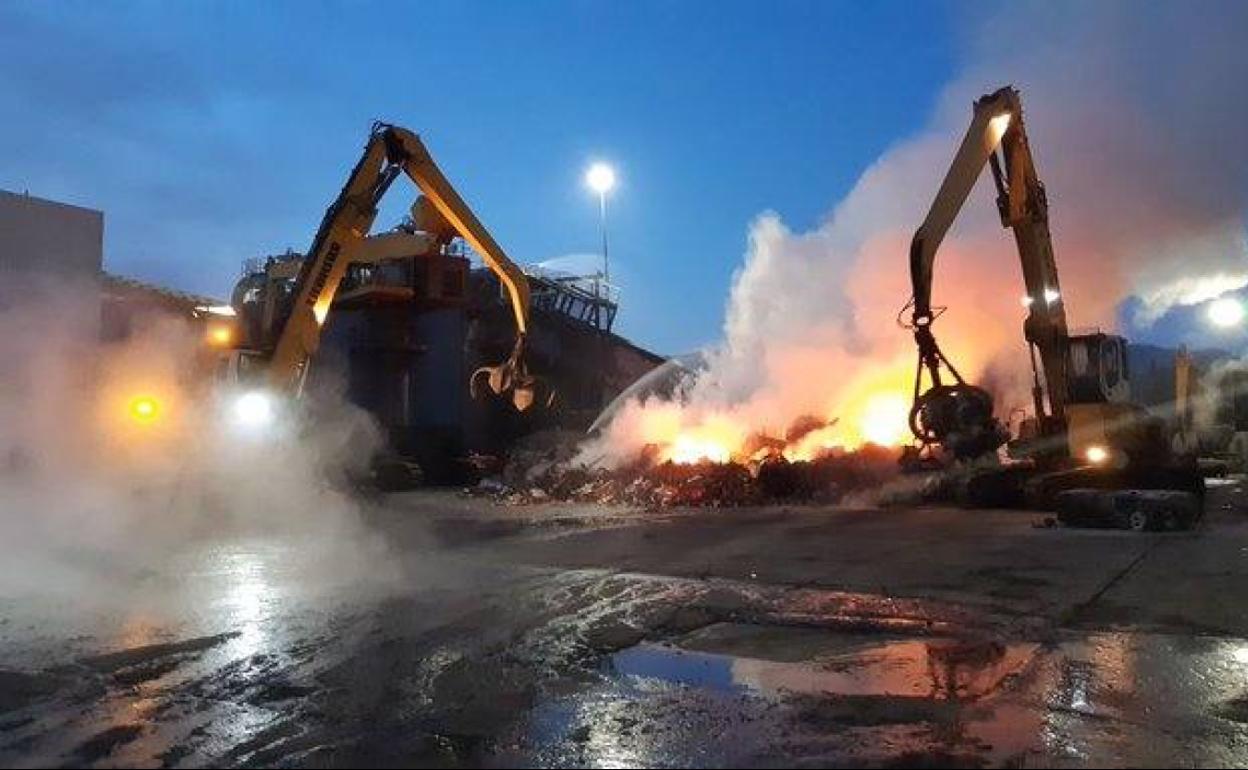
(885, 419)
(853, 381)
(872, 406)
(717, 439)
(688, 449)
(878, 418)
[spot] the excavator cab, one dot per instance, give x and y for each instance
(1098, 422)
(1097, 369)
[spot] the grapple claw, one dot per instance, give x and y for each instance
(523, 397)
(511, 378)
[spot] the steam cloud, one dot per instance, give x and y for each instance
(92, 503)
(1134, 120)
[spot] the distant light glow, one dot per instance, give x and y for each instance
(1097, 454)
(144, 409)
(600, 178)
(220, 335)
(1226, 312)
(253, 410)
(1051, 296)
(1027, 300)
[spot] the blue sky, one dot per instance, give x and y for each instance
(212, 132)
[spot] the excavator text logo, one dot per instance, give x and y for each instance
(327, 266)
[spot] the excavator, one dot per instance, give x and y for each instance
(283, 309)
(1084, 431)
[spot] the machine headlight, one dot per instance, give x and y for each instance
(1097, 455)
(253, 410)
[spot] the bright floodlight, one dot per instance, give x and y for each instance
(1226, 312)
(1097, 454)
(600, 178)
(253, 410)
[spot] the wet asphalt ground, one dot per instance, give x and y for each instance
(474, 634)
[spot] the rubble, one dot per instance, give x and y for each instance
(542, 470)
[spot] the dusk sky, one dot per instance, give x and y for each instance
(212, 132)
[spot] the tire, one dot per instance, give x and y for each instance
(1138, 521)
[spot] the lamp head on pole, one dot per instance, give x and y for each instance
(600, 178)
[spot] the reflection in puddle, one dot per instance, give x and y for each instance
(937, 668)
(247, 598)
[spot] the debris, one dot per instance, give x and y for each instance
(543, 471)
(490, 486)
(805, 425)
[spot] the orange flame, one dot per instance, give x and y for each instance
(874, 408)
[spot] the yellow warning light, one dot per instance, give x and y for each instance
(220, 335)
(144, 409)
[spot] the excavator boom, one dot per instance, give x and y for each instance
(406, 150)
(997, 138)
(345, 225)
(392, 150)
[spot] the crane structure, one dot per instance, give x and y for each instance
(291, 329)
(1080, 387)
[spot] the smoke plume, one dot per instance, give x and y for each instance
(1134, 120)
(94, 501)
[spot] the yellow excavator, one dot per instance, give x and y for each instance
(294, 300)
(1083, 417)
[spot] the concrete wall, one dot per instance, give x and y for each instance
(45, 237)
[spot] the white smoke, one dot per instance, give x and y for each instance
(1133, 118)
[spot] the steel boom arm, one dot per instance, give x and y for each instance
(997, 124)
(390, 150)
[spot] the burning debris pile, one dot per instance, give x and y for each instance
(547, 469)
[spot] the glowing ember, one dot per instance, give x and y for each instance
(879, 417)
(687, 449)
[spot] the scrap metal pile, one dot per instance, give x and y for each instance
(546, 471)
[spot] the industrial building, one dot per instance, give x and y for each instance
(44, 236)
(406, 336)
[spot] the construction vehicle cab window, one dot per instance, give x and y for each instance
(608, 385)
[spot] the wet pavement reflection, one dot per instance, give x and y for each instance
(239, 653)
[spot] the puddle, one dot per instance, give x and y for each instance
(749, 659)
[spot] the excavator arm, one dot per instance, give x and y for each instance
(392, 150)
(343, 229)
(957, 414)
